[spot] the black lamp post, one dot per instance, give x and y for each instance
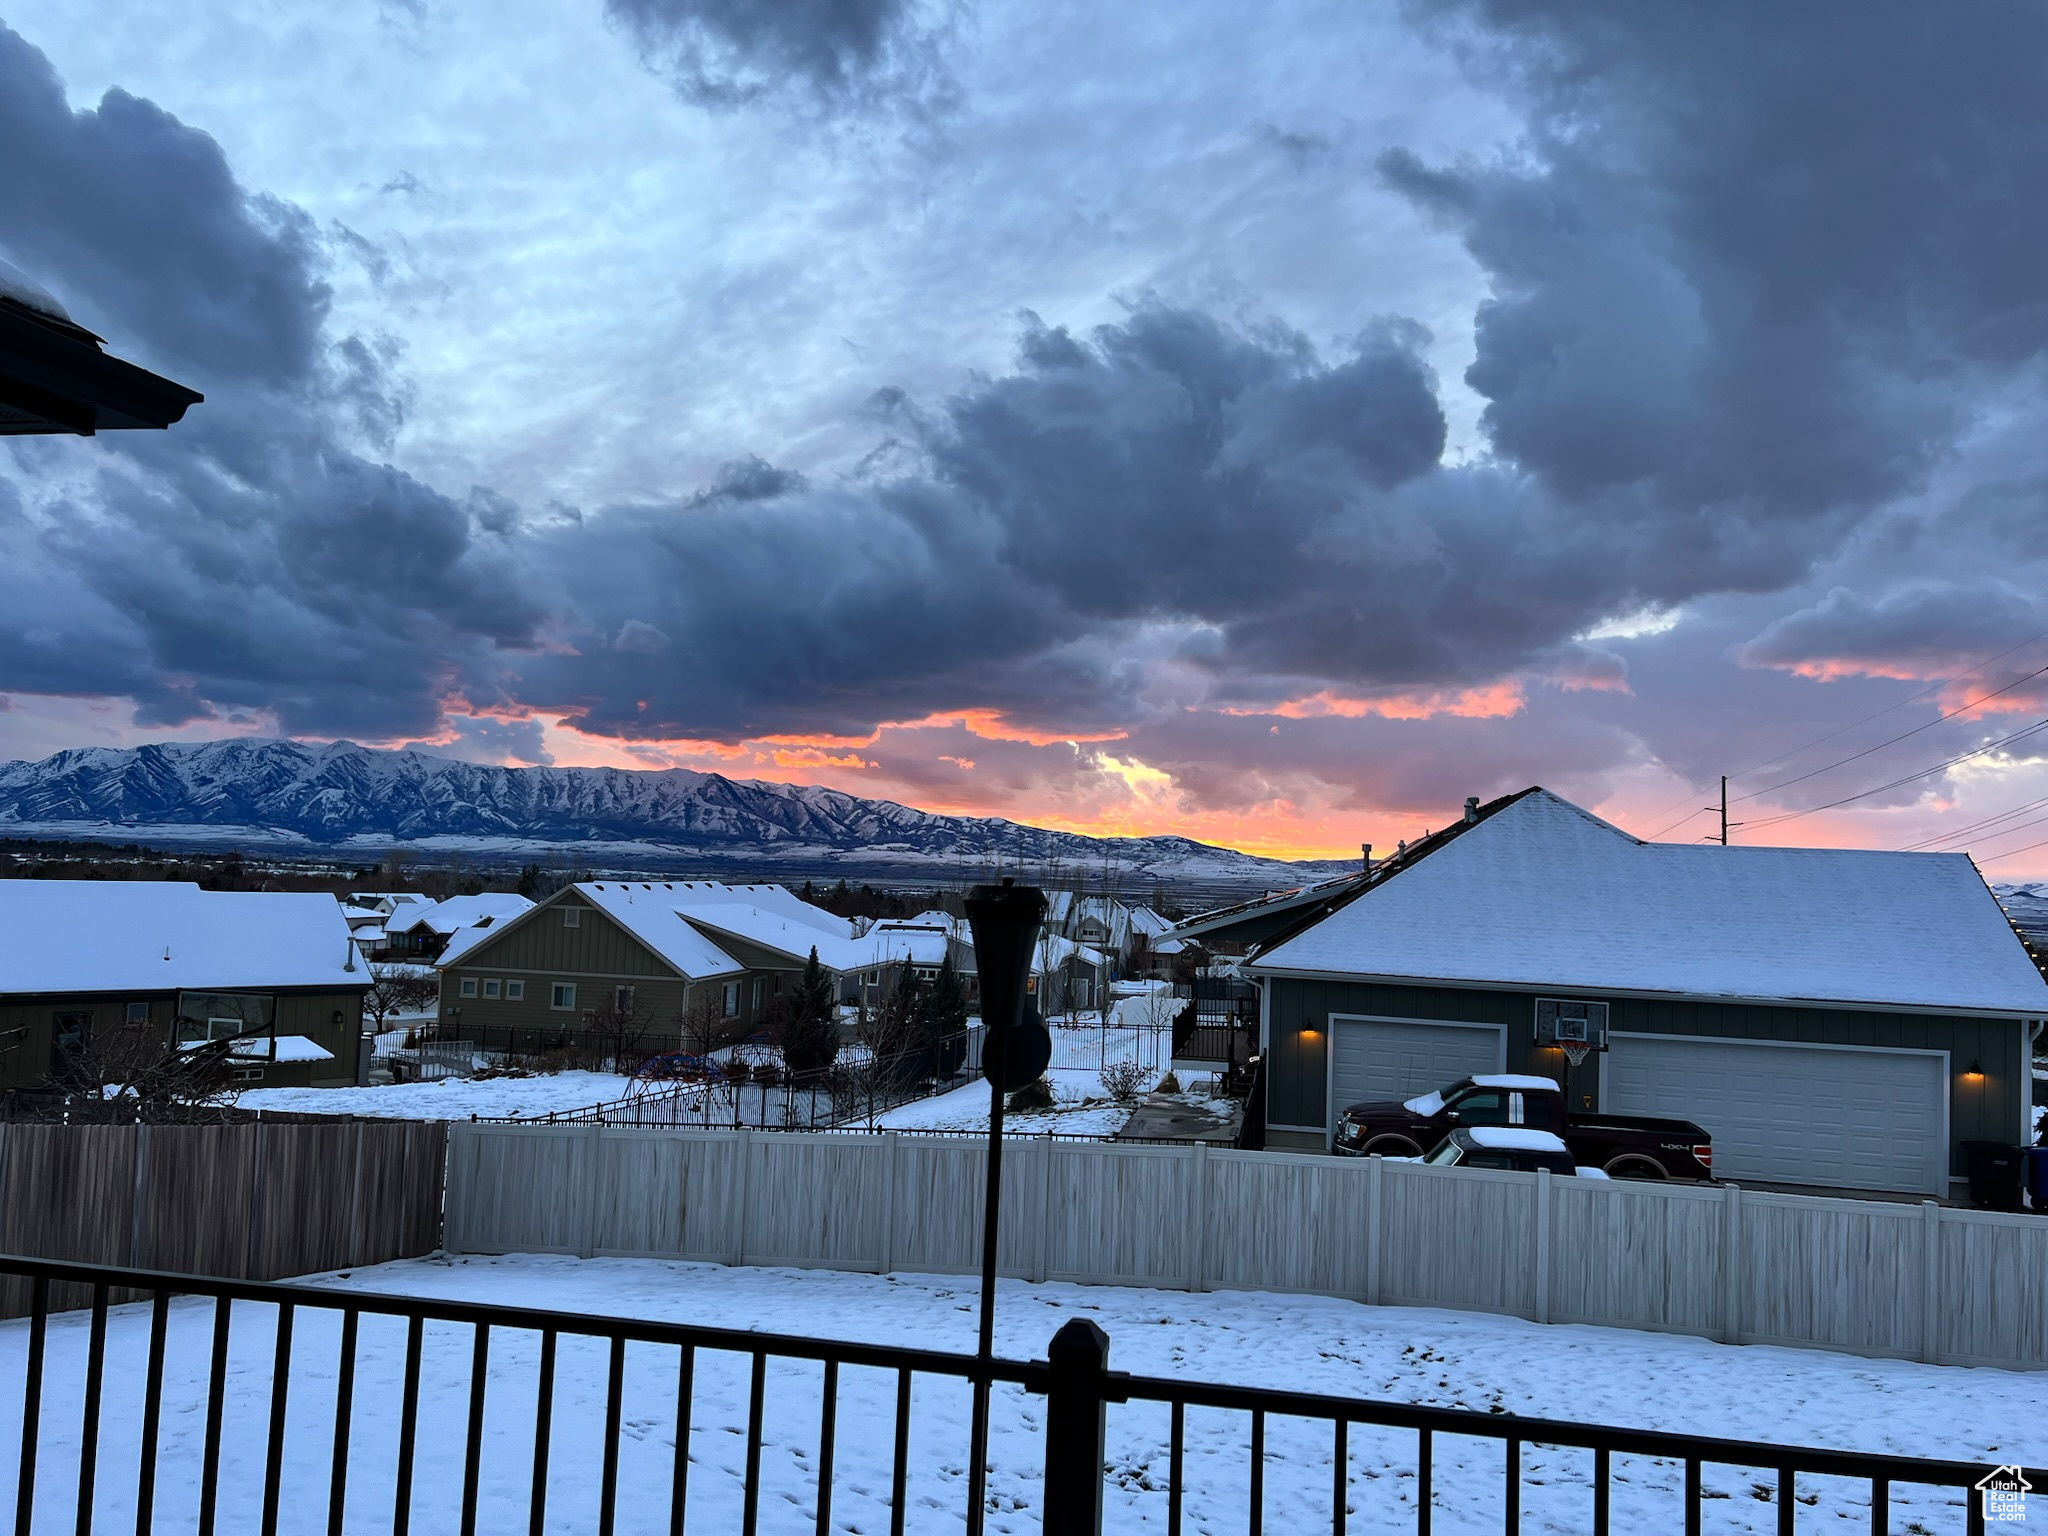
(1014, 1051)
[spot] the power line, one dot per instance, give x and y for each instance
(1771, 762)
(1975, 827)
(1961, 757)
(1960, 709)
(1935, 687)
(2011, 853)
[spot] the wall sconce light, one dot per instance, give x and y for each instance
(1973, 1070)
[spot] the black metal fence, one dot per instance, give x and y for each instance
(310, 1427)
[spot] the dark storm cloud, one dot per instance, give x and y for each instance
(728, 52)
(1764, 257)
(1753, 277)
(140, 212)
(1925, 630)
(251, 558)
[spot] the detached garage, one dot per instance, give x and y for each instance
(1834, 1018)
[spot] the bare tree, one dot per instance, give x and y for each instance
(615, 1033)
(396, 989)
(131, 1068)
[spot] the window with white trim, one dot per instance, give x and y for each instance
(563, 996)
(492, 986)
(515, 991)
(732, 999)
(572, 917)
(469, 986)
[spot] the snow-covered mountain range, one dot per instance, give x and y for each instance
(340, 798)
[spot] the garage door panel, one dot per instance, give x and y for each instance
(1397, 1059)
(1857, 1119)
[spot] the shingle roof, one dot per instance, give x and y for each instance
(1544, 894)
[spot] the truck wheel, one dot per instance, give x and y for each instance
(1391, 1146)
(1634, 1166)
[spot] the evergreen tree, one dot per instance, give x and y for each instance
(810, 1037)
(942, 1017)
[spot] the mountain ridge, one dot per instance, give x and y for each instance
(262, 792)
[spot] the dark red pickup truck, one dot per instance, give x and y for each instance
(1624, 1146)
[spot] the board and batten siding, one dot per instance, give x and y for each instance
(1986, 1108)
(311, 1014)
(1862, 1276)
(595, 956)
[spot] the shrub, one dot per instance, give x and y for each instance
(1125, 1080)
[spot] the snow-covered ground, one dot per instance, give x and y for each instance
(451, 1098)
(1081, 1107)
(1295, 1342)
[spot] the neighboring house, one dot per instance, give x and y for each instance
(1833, 1017)
(274, 969)
(421, 931)
(1068, 977)
(673, 955)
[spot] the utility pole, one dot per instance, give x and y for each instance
(1724, 810)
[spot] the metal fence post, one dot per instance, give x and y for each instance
(1074, 1425)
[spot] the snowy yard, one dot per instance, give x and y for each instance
(1295, 1342)
(451, 1098)
(1081, 1107)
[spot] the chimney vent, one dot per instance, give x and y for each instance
(1471, 809)
(1365, 851)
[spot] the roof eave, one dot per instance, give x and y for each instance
(1585, 989)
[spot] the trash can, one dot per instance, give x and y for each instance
(2037, 1175)
(1994, 1174)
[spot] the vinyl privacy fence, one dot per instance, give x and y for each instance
(1956, 1287)
(247, 1201)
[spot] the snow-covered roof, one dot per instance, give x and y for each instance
(1149, 923)
(152, 936)
(17, 285)
(444, 917)
(648, 912)
(288, 1048)
(1515, 1082)
(1515, 1138)
(1542, 894)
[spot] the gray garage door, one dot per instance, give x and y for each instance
(1794, 1114)
(1399, 1058)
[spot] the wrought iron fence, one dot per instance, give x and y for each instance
(293, 1435)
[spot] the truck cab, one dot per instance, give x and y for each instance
(1411, 1127)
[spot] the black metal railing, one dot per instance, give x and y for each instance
(303, 1462)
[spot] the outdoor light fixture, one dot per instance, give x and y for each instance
(1973, 1070)
(57, 377)
(1015, 1048)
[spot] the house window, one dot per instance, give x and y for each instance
(138, 1013)
(874, 978)
(563, 996)
(515, 991)
(572, 917)
(622, 1000)
(732, 999)
(469, 986)
(757, 994)
(492, 987)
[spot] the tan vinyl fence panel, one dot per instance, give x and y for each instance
(1863, 1276)
(253, 1201)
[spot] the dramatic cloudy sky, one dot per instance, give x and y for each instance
(1267, 422)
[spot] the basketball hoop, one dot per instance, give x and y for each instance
(1576, 1051)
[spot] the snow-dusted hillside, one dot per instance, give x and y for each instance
(290, 795)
